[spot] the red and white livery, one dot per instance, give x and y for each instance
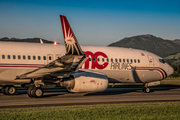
(80, 69)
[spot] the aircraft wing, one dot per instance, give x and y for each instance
(61, 67)
(65, 65)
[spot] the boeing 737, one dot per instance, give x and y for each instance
(88, 69)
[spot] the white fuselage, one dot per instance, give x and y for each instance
(119, 64)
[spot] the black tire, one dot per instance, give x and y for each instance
(146, 90)
(37, 92)
(29, 92)
(3, 90)
(143, 89)
(12, 90)
(6, 90)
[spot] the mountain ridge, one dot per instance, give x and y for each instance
(32, 40)
(157, 45)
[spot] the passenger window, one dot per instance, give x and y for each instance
(107, 60)
(123, 60)
(127, 60)
(24, 57)
(138, 61)
(44, 57)
(98, 59)
(119, 60)
(134, 60)
(14, 57)
(19, 57)
(116, 60)
(49, 57)
(9, 57)
(131, 61)
(102, 59)
(39, 57)
(3, 56)
(89, 59)
(34, 57)
(111, 60)
(94, 59)
(29, 57)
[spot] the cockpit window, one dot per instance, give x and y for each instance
(162, 61)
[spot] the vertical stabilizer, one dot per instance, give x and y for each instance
(71, 43)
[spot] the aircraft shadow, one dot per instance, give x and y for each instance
(119, 91)
(109, 91)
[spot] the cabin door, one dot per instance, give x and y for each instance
(58, 56)
(151, 61)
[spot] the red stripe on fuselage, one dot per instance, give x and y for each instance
(162, 73)
(16, 66)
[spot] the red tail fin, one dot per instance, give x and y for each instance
(71, 43)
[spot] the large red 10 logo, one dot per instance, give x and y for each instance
(95, 63)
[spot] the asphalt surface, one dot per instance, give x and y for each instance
(61, 97)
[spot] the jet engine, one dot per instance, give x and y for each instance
(87, 82)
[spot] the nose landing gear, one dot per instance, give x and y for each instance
(146, 89)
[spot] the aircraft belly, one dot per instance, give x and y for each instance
(132, 76)
(119, 76)
(9, 75)
(147, 76)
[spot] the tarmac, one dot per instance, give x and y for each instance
(61, 97)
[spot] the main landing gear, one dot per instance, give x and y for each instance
(9, 90)
(146, 89)
(36, 92)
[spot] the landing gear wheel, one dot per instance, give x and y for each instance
(3, 90)
(37, 92)
(12, 90)
(146, 90)
(9, 90)
(29, 92)
(6, 90)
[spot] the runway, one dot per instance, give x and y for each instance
(61, 97)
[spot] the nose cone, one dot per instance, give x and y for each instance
(170, 70)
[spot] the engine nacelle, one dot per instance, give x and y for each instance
(88, 82)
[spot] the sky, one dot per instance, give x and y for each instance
(94, 22)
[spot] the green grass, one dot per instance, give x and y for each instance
(128, 111)
(170, 82)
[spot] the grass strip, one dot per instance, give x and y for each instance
(128, 111)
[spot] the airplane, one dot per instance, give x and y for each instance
(81, 69)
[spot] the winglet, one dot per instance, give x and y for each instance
(71, 43)
(41, 41)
